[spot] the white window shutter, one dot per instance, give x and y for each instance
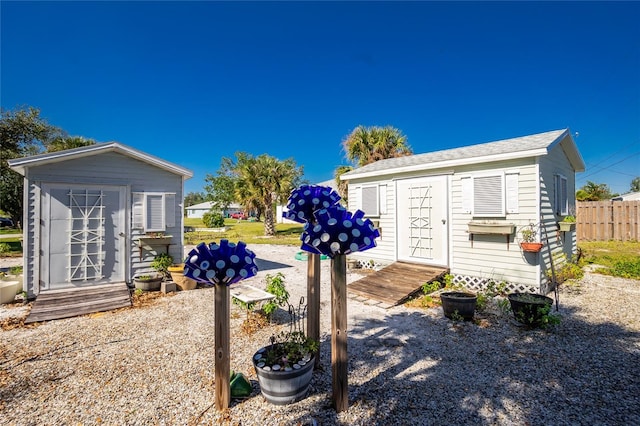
(467, 194)
(137, 210)
(370, 200)
(564, 196)
(155, 213)
(170, 210)
(383, 199)
(511, 184)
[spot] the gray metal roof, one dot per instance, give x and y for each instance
(524, 146)
(20, 164)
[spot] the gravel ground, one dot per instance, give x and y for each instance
(154, 364)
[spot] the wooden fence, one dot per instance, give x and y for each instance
(608, 220)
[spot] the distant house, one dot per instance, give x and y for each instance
(198, 210)
(464, 209)
(98, 215)
(629, 196)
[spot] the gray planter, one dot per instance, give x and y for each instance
(284, 387)
(148, 284)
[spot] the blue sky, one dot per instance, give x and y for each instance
(192, 82)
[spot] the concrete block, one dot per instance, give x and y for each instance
(167, 287)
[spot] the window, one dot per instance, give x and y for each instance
(153, 211)
(369, 201)
(490, 195)
(561, 195)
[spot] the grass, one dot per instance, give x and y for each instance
(244, 230)
(619, 258)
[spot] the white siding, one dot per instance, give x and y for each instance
(385, 250)
(110, 169)
(491, 256)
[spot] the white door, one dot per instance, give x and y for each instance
(422, 220)
(82, 235)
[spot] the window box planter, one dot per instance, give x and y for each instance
(497, 228)
(567, 226)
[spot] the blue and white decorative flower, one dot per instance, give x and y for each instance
(337, 231)
(307, 199)
(224, 263)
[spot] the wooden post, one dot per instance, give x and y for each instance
(222, 359)
(340, 397)
(313, 300)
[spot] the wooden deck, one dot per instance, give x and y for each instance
(395, 283)
(67, 303)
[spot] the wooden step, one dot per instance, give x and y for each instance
(395, 283)
(67, 303)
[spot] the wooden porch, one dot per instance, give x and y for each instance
(395, 283)
(73, 302)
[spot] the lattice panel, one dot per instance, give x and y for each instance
(477, 284)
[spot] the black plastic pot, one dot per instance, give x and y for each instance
(458, 304)
(530, 308)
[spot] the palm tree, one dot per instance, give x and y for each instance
(264, 181)
(366, 145)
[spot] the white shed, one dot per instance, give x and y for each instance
(98, 215)
(464, 208)
(198, 210)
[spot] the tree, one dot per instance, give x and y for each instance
(592, 191)
(257, 183)
(342, 186)
(22, 133)
(635, 185)
(365, 145)
(193, 198)
(220, 189)
(61, 143)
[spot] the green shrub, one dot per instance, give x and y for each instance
(275, 286)
(626, 268)
(161, 262)
(430, 287)
(213, 220)
(4, 248)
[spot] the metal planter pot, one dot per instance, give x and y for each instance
(284, 387)
(459, 304)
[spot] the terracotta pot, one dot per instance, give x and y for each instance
(531, 247)
(178, 277)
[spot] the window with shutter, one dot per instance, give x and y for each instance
(488, 196)
(370, 200)
(153, 212)
(561, 195)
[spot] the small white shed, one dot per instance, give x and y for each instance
(98, 215)
(465, 208)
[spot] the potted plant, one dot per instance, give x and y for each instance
(568, 223)
(285, 367)
(532, 310)
(458, 305)
(161, 263)
(177, 276)
(148, 281)
(529, 241)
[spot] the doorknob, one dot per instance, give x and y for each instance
(122, 234)
(444, 221)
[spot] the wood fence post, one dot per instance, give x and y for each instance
(339, 359)
(222, 358)
(313, 300)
